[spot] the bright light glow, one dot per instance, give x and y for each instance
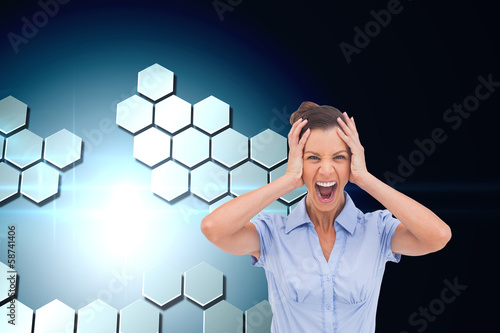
(123, 221)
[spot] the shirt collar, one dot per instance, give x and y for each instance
(347, 218)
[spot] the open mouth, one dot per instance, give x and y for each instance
(326, 191)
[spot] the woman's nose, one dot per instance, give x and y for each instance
(326, 169)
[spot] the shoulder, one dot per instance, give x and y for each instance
(270, 221)
(380, 221)
(380, 216)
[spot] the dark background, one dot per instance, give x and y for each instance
(398, 87)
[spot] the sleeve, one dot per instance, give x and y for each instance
(387, 225)
(264, 225)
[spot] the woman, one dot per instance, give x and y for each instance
(325, 261)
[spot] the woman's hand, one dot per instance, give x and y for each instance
(349, 134)
(295, 156)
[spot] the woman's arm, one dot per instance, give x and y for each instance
(420, 231)
(228, 226)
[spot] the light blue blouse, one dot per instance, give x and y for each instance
(309, 294)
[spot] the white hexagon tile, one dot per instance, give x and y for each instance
(23, 168)
(192, 149)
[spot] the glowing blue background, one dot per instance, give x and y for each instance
(262, 57)
(80, 72)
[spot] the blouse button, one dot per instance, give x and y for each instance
(328, 278)
(328, 306)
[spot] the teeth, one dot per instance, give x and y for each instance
(325, 184)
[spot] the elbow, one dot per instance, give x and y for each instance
(443, 236)
(446, 237)
(208, 229)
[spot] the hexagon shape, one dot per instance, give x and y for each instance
(295, 194)
(9, 181)
(155, 82)
(54, 317)
(170, 180)
(2, 142)
(190, 147)
(173, 114)
(8, 284)
(23, 148)
(162, 284)
(63, 148)
(39, 182)
(23, 318)
(152, 146)
(209, 181)
(229, 147)
(223, 317)
(203, 284)
(258, 318)
(247, 177)
(268, 148)
(139, 317)
(211, 114)
(134, 114)
(292, 207)
(13, 114)
(97, 317)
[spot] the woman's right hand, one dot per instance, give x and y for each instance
(296, 154)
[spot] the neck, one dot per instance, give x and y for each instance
(324, 219)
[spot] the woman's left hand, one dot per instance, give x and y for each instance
(349, 134)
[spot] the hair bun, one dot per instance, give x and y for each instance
(307, 105)
(301, 110)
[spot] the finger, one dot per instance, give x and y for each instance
(303, 140)
(353, 123)
(343, 125)
(343, 136)
(294, 126)
(349, 130)
(347, 120)
(298, 129)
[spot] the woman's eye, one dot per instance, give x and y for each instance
(340, 157)
(313, 158)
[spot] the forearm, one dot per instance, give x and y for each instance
(236, 213)
(426, 226)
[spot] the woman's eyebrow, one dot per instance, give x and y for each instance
(314, 153)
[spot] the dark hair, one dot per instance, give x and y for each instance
(318, 116)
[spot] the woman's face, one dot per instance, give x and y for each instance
(327, 163)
